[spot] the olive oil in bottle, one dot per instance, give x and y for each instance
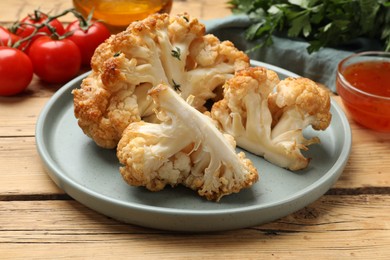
(118, 14)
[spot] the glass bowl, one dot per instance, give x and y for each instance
(363, 83)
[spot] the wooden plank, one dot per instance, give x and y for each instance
(202, 9)
(333, 227)
(18, 115)
(15, 10)
(21, 171)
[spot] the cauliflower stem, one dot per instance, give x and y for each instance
(172, 50)
(185, 148)
(266, 116)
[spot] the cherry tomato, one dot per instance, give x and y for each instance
(7, 37)
(55, 61)
(16, 71)
(27, 26)
(87, 37)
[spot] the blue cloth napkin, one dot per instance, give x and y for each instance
(288, 53)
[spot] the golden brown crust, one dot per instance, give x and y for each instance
(129, 59)
(304, 94)
(90, 104)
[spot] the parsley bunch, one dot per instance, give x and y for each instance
(320, 22)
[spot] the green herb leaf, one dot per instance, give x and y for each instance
(176, 53)
(176, 86)
(300, 24)
(322, 23)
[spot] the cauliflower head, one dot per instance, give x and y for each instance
(266, 116)
(172, 50)
(185, 148)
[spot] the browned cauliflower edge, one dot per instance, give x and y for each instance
(172, 50)
(184, 148)
(266, 116)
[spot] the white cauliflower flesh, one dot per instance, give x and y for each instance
(173, 50)
(184, 148)
(266, 116)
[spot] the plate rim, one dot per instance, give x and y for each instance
(75, 190)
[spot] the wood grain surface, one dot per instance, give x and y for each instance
(39, 221)
(333, 227)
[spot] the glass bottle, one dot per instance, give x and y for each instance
(118, 14)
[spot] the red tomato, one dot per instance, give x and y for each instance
(55, 61)
(87, 38)
(7, 37)
(16, 71)
(27, 26)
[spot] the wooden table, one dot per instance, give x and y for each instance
(37, 220)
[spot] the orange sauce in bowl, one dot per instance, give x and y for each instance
(372, 77)
(368, 102)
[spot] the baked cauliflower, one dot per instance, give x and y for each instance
(184, 148)
(172, 50)
(266, 116)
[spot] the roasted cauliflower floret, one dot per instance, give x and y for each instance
(298, 103)
(160, 49)
(185, 148)
(266, 116)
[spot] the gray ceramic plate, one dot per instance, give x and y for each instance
(90, 175)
